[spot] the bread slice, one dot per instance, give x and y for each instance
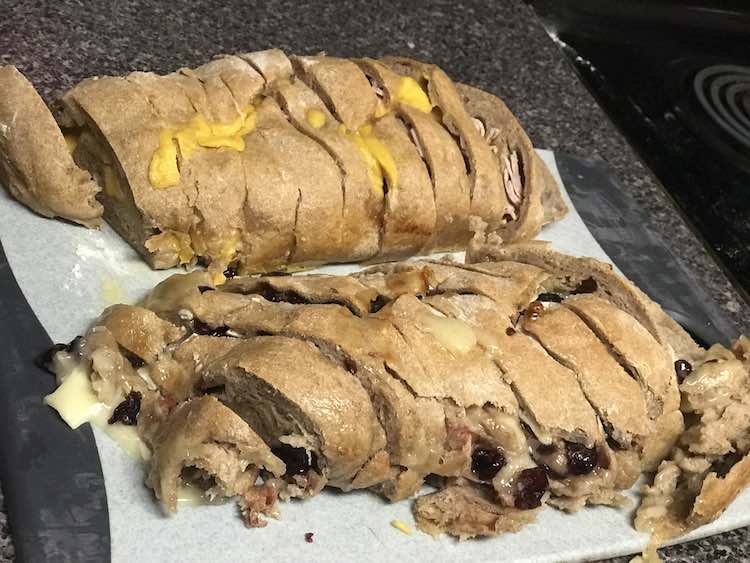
(35, 162)
(363, 206)
(203, 444)
(571, 274)
(322, 409)
(488, 199)
(710, 464)
(436, 146)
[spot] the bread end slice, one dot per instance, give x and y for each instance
(35, 162)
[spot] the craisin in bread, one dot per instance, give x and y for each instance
(263, 162)
(431, 371)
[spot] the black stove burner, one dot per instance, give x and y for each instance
(718, 88)
(675, 78)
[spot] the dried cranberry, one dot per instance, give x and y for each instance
(44, 360)
(588, 285)
(581, 460)
(135, 360)
(549, 298)
(127, 411)
(199, 327)
(485, 463)
(529, 488)
(682, 368)
(309, 537)
(378, 303)
(231, 270)
(297, 460)
(350, 365)
(533, 311)
(724, 465)
(510, 331)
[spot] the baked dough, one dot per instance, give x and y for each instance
(260, 162)
(428, 369)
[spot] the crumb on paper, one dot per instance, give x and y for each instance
(401, 527)
(309, 537)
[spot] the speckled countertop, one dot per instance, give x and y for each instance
(498, 46)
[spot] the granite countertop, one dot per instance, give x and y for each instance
(496, 45)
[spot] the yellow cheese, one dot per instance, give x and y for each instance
(111, 292)
(198, 132)
(381, 109)
(184, 250)
(162, 170)
(411, 93)
(384, 159)
(112, 184)
(71, 140)
(401, 527)
(455, 335)
(187, 495)
(315, 118)
(377, 157)
(74, 399)
(374, 171)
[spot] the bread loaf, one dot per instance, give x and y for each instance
(524, 378)
(261, 162)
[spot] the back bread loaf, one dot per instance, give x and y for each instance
(265, 162)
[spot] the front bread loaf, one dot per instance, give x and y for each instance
(264, 162)
(520, 379)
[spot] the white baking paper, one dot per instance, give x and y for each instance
(69, 274)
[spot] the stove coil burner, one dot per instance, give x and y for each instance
(724, 93)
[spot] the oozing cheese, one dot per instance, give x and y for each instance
(401, 527)
(74, 399)
(163, 169)
(72, 141)
(77, 403)
(411, 93)
(455, 335)
(377, 156)
(112, 184)
(381, 109)
(188, 495)
(315, 118)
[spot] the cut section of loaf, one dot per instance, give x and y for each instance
(204, 444)
(710, 464)
(522, 379)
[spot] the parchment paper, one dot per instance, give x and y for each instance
(69, 274)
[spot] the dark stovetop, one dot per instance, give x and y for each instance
(675, 77)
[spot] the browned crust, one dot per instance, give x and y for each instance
(718, 493)
(463, 511)
(614, 287)
(35, 163)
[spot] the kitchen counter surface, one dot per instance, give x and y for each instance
(498, 46)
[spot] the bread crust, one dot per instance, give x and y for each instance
(35, 162)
